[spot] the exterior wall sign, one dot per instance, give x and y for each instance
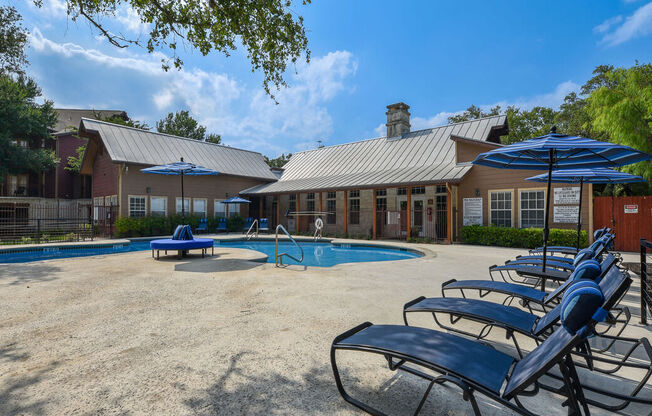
(566, 214)
(567, 195)
(472, 211)
(631, 209)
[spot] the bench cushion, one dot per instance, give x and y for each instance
(170, 244)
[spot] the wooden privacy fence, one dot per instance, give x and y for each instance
(629, 216)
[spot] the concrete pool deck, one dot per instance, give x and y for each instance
(125, 334)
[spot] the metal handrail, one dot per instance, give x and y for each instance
(249, 234)
(319, 226)
(280, 256)
(317, 235)
(646, 292)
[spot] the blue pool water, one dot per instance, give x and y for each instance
(315, 254)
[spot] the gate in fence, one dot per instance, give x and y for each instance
(646, 281)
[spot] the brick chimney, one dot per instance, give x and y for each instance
(398, 119)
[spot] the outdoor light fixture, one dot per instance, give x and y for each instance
(477, 192)
(148, 190)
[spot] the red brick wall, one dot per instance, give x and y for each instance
(69, 182)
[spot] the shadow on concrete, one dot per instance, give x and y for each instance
(215, 265)
(11, 352)
(15, 399)
(23, 273)
(312, 392)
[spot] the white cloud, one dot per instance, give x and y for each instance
(244, 117)
(50, 8)
(637, 25)
(130, 20)
(607, 24)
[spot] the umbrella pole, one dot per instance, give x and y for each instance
(547, 218)
(183, 202)
(579, 216)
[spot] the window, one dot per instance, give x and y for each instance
(111, 200)
(98, 201)
(418, 190)
(137, 206)
(186, 205)
(354, 208)
(381, 204)
(219, 208)
(199, 207)
(381, 192)
(440, 189)
(20, 143)
(17, 185)
(331, 207)
(292, 205)
(354, 194)
(401, 191)
(310, 205)
(532, 208)
(234, 209)
(310, 195)
(158, 205)
(501, 208)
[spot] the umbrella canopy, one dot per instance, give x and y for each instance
(182, 169)
(559, 151)
(582, 176)
(236, 200)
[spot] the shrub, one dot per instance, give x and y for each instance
(235, 223)
(519, 237)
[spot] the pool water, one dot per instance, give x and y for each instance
(322, 254)
(315, 254)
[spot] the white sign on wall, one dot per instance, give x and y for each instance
(566, 214)
(472, 209)
(567, 195)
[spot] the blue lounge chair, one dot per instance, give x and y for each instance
(248, 222)
(567, 250)
(221, 225)
(182, 241)
(264, 225)
(614, 285)
(475, 367)
(528, 295)
(203, 226)
(599, 246)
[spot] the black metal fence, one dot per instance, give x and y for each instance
(646, 281)
(27, 222)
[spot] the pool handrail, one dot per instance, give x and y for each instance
(280, 256)
(249, 234)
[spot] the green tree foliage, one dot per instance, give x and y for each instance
(182, 124)
(125, 121)
(278, 162)
(621, 107)
(270, 32)
(526, 124)
(13, 38)
(75, 162)
(473, 113)
(22, 120)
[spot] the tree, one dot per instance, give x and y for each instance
(182, 124)
(13, 38)
(24, 127)
(124, 121)
(268, 30)
(473, 113)
(526, 124)
(622, 108)
(278, 162)
(75, 162)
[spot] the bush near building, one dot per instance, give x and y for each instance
(519, 237)
(155, 225)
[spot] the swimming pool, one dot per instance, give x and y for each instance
(321, 254)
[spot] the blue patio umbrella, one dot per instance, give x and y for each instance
(234, 200)
(559, 151)
(582, 176)
(182, 169)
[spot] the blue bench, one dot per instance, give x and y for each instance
(182, 241)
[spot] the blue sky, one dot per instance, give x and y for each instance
(438, 57)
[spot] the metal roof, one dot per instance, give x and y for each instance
(131, 145)
(424, 156)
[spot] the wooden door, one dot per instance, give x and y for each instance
(629, 216)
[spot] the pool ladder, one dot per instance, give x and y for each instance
(279, 257)
(250, 232)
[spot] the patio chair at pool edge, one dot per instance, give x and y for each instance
(221, 224)
(203, 226)
(247, 224)
(472, 366)
(264, 225)
(600, 246)
(513, 320)
(527, 294)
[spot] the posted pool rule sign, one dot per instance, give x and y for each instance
(567, 195)
(472, 211)
(631, 209)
